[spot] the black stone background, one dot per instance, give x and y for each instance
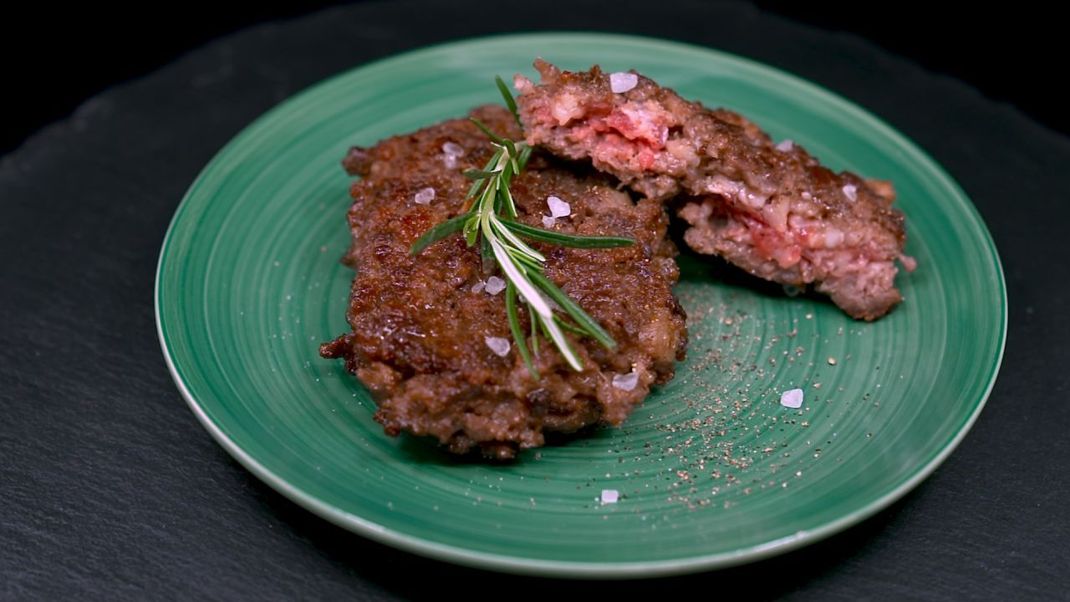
(110, 489)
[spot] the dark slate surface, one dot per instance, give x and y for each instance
(109, 487)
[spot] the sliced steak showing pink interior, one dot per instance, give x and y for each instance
(771, 209)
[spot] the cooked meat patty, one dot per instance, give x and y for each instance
(771, 209)
(420, 323)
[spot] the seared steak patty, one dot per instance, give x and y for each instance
(426, 333)
(771, 209)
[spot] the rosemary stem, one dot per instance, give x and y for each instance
(502, 241)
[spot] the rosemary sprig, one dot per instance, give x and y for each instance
(491, 222)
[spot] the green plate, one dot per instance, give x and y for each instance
(712, 470)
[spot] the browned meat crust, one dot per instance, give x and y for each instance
(419, 328)
(770, 209)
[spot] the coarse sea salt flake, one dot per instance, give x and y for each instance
(850, 192)
(785, 145)
(626, 382)
(610, 496)
(495, 285)
(792, 398)
(622, 82)
(424, 196)
(558, 208)
(548, 221)
(498, 345)
(453, 149)
(477, 287)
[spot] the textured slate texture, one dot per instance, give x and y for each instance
(109, 487)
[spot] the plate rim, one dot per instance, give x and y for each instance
(577, 569)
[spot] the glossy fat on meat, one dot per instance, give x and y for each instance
(420, 324)
(768, 208)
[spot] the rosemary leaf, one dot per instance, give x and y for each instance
(525, 154)
(568, 240)
(490, 133)
(519, 245)
(524, 286)
(471, 230)
(507, 96)
(584, 321)
(514, 327)
(486, 254)
(479, 174)
(563, 345)
(510, 204)
(437, 233)
(534, 333)
(473, 190)
(572, 328)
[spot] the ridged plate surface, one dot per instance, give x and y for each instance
(712, 470)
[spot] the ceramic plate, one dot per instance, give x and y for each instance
(711, 470)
